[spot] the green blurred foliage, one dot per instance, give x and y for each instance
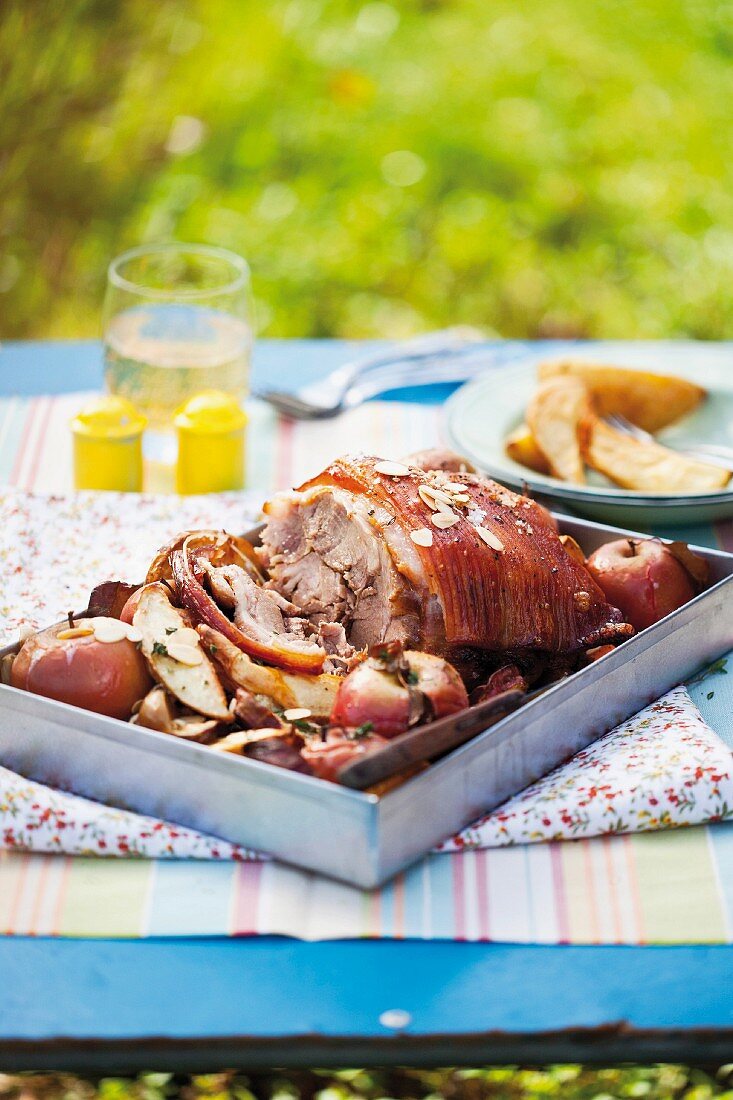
(555, 167)
(569, 1082)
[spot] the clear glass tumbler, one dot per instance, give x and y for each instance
(177, 320)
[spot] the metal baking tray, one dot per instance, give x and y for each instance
(356, 837)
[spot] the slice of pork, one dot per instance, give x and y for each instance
(259, 613)
(342, 656)
(326, 551)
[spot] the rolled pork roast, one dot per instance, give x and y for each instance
(442, 560)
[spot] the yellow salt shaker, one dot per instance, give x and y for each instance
(211, 430)
(108, 451)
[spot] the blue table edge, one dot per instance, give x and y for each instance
(198, 1004)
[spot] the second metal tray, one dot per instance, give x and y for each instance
(350, 835)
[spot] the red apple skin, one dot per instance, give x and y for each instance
(104, 677)
(369, 694)
(326, 758)
(642, 578)
(438, 680)
(131, 606)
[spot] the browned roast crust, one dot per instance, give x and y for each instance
(522, 591)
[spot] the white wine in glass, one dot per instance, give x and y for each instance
(177, 320)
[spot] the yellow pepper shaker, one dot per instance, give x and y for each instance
(211, 430)
(108, 453)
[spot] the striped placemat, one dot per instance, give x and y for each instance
(646, 888)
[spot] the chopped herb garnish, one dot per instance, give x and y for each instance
(412, 677)
(304, 726)
(362, 730)
(171, 629)
(159, 649)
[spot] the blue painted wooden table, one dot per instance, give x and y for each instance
(199, 1004)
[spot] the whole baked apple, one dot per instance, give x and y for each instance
(645, 578)
(377, 693)
(92, 664)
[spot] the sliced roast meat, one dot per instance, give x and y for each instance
(249, 616)
(326, 551)
(445, 562)
(506, 678)
(253, 712)
(280, 751)
(259, 613)
(342, 656)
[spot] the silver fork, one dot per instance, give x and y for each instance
(715, 454)
(449, 355)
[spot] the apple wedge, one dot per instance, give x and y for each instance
(652, 401)
(556, 416)
(638, 464)
(175, 657)
(315, 693)
(521, 446)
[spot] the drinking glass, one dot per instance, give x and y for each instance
(177, 320)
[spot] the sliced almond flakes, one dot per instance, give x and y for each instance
(443, 520)
(392, 469)
(490, 538)
(422, 537)
(185, 654)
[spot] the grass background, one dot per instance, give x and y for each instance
(555, 167)
(571, 1082)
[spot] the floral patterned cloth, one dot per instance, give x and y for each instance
(664, 767)
(36, 818)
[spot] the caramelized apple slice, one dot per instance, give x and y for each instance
(287, 689)
(160, 711)
(175, 659)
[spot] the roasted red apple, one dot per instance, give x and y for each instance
(130, 607)
(93, 664)
(439, 683)
(374, 698)
(646, 578)
(391, 691)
